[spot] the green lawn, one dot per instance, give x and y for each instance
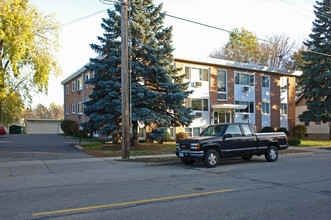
(310, 142)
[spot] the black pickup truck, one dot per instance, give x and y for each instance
(230, 140)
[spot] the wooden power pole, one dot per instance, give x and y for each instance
(125, 81)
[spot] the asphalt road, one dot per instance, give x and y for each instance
(297, 186)
(37, 147)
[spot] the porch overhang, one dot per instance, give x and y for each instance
(228, 106)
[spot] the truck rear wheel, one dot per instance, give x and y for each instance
(188, 162)
(272, 154)
(211, 158)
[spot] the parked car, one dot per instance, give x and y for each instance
(2, 131)
(230, 140)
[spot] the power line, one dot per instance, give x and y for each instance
(83, 18)
(228, 31)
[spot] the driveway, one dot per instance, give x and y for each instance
(38, 147)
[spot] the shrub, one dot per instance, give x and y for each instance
(181, 135)
(294, 142)
(267, 129)
(160, 135)
(300, 131)
(66, 126)
(283, 130)
(75, 129)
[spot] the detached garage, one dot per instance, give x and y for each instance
(43, 126)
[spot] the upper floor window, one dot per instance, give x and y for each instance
(73, 108)
(222, 84)
(73, 87)
(197, 104)
(245, 79)
(249, 109)
(265, 108)
(87, 77)
(265, 81)
(283, 83)
(67, 89)
(80, 108)
(67, 109)
(79, 84)
(196, 74)
(283, 109)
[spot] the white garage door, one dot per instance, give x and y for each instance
(43, 127)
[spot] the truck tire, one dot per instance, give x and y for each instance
(188, 162)
(272, 154)
(211, 158)
(246, 157)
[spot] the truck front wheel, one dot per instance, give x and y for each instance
(211, 158)
(272, 154)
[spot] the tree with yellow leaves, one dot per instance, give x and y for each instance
(28, 42)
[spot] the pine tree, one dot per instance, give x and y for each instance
(157, 92)
(316, 77)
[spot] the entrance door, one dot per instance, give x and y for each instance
(222, 117)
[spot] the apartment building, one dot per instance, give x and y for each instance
(223, 91)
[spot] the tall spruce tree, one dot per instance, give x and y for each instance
(316, 77)
(157, 91)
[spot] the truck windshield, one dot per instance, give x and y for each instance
(213, 130)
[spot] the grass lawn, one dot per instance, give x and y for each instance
(115, 150)
(309, 142)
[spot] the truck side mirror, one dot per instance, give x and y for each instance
(227, 136)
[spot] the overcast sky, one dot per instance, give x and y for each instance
(262, 17)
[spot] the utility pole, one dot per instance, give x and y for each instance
(125, 81)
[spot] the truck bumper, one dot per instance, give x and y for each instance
(195, 155)
(283, 147)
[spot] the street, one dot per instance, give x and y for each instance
(297, 186)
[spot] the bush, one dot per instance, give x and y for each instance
(300, 131)
(75, 129)
(160, 135)
(66, 126)
(181, 135)
(283, 130)
(294, 142)
(267, 129)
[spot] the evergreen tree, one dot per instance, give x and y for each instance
(157, 92)
(316, 77)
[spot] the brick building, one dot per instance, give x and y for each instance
(223, 91)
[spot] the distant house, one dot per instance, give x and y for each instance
(223, 91)
(314, 129)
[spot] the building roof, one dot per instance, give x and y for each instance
(246, 66)
(212, 61)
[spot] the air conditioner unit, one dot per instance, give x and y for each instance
(245, 116)
(245, 89)
(196, 84)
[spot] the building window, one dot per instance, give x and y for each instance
(67, 89)
(196, 74)
(79, 107)
(307, 123)
(73, 86)
(188, 131)
(265, 81)
(265, 108)
(245, 79)
(67, 109)
(222, 85)
(87, 77)
(197, 104)
(73, 108)
(79, 84)
(283, 109)
(172, 132)
(249, 109)
(283, 83)
(196, 132)
(141, 132)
